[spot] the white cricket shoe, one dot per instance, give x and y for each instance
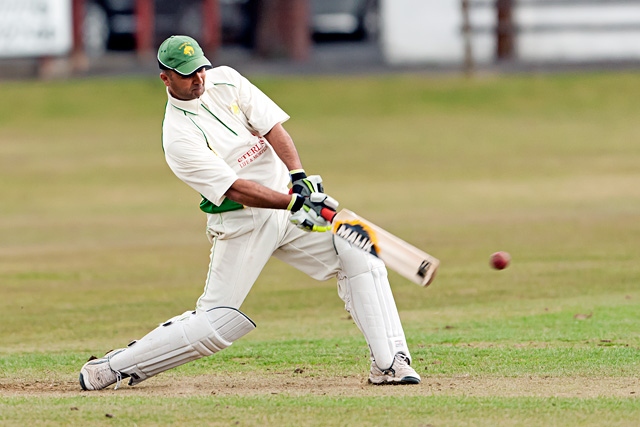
(97, 374)
(400, 372)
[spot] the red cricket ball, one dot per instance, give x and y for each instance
(500, 260)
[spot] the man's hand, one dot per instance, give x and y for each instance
(308, 216)
(303, 185)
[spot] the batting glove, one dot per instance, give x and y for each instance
(307, 212)
(303, 185)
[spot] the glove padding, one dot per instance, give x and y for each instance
(307, 185)
(309, 217)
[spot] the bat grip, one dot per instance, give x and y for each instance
(328, 214)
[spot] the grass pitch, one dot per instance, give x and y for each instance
(100, 243)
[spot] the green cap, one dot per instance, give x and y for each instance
(182, 54)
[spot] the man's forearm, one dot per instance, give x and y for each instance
(255, 195)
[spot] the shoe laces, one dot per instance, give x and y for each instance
(403, 358)
(399, 357)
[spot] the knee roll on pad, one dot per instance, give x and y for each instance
(353, 260)
(368, 298)
(181, 339)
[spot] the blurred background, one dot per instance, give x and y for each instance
(61, 38)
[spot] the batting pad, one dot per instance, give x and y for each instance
(180, 340)
(368, 298)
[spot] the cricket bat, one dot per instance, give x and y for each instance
(398, 255)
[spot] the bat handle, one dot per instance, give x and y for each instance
(328, 214)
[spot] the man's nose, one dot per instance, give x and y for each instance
(198, 78)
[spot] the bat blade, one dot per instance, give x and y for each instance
(398, 255)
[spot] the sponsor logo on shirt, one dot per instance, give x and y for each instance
(253, 153)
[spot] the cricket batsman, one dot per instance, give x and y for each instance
(224, 138)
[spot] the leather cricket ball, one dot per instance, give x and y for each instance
(500, 260)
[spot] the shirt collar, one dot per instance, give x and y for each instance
(191, 106)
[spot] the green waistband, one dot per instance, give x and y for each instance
(226, 206)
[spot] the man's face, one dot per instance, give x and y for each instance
(182, 87)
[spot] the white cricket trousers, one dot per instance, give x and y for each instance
(242, 243)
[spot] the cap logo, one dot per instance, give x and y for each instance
(187, 49)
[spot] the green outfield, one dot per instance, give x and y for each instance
(100, 243)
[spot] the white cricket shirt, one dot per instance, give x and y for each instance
(212, 141)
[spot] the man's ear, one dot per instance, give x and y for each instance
(164, 77)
